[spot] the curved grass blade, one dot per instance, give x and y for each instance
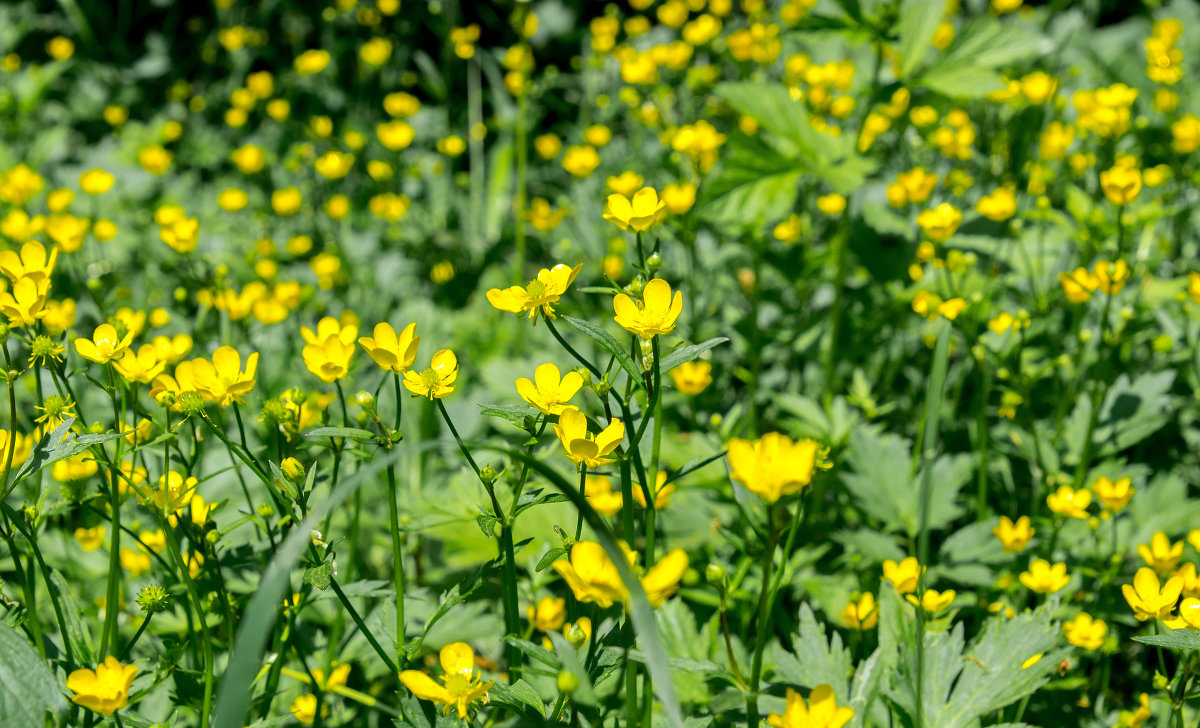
(611, 345)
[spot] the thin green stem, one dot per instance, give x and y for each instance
(764, 613)
(397, 562)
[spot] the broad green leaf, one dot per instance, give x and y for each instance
(918, 21)
(28, 689)
(753, 184)
(519, 695)
(774, 109)
(1175, 639)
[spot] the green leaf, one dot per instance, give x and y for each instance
(687, 353)
(611, 345)
(1175, 639)
(551, 556)
(918, 21)
(28, 689)
(319, 576)
(814, 659)
(289, 488)
(774, 109)
(487, 524)
(352, 433)
(519, 695)
(967, 69)
(753, 183)
(514, 413)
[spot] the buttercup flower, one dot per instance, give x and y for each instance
(105, 689)
(392, 352)
(1044, 578)
(903, 575)
(641, 213)
(461, 685)
(222, 380)
(141, 367)
(862, 614)
(692, 377)
(549, 614)
(653, 315)
(662, 495)
(773, 466)
(599, 492)
(1149, 599)
(1085, 632)
(1066, 501)
(537, 296)
(932, 601)
(438, 380)
(1014, 536)
(582, 447)
(32, 262)
(104, 346)
(1161, 555)
(592, 576)
(941, 222)
(550, 392)
(821, 711)
(1121, 183)
(23, 305)
(662, 580)
(1113, 495)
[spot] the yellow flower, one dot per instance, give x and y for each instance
(679, 198)
(549, 614)
(862, 614)
(581, 161)
(1111, 277)
(832, 204)
(903, 575)
(549, 391)
(1067, 501)
(390, 352)
(328, 358)
(104, 346)
(19, 227)
(940, 222)
(311, 61)
(304, 708)
(181, 234)
(1189, 615)
(773, 466)
(222, 380)
(542, 216)
(537, 296)
(626, 183)
(600, 495)
(662, 496)
(1121, 184)
(1014, 536)
(60, 48)
(23, 305)
(90, 539)
(1085, 632)
(582, 447)
(1161, 555)
(821, 711)
(67, 231)
(232, 199)
(641, 213)
(135, 562)
(1044, 578)
(438, 380)
(998, 206)
(105, 689)
(334, 164)
(286, 202)
(654, 314)
(1185, 134)
(249, 158)
(154, 159)
(460, 686)
(932, 601)
(1147, 599)
(1078, 285)
(141, 367)
(692, 377)
(1039, 87)
(662, 580)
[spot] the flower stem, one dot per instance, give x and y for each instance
(397, 562)
(764, 612)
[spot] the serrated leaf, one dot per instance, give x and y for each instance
(519, 695)
(611, 345)
(1175, 639)
(319, 576)
(688, 353)
(351, 433)
(28, 689)
(815, 659)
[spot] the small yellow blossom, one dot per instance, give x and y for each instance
(583, 448)
(1149, 599)
(105, 689)
(549, 391)
(1044, 578)
(1014, 536)
(653, 315)
(438, 380)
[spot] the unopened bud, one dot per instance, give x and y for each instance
(654, 262)
(366, 400)
(487, 474)
(715, 574)
(568, 682)
(293, 469)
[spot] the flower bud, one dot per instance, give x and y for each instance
(212, 536)
(576, 635)
(96, 428)
(488, 474)
(568, 682)
(265, 511)
(654, 261)
(153, 598)
(4, 330)
(191, 403)
(166, 400)
(366, 400)
(715, 574)
(293, 469)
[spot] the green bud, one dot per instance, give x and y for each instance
(212, 536)
(96, 428)
(191, 403)
(715, 574)
(488, 474)
(293, 469)
(576, 636)
(366, 400)
(166, 400)
(568, 682)
(153, 598)
(265, 511)
(654, 262)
